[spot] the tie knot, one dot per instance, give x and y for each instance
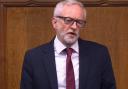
(69, 51)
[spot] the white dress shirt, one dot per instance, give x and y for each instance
(60, 60)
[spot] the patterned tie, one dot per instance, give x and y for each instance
(70, 79)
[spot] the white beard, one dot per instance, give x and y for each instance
(69, 40)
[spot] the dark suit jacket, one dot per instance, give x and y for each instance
(95, 69)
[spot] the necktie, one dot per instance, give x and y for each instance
(70, 79)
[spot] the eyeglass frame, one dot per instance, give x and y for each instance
(79, 23)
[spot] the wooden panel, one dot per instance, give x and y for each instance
(122, 29)
(118, 0)
(51, 3)
(15, 46)
(14, 0)
(39, 0)
(60, 0)
(2, 50)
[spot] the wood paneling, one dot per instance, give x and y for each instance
(15, 46)
(2, 49)
(39, 0)
(14, 0)
(60, 0)
(51, 3)
(118, 0)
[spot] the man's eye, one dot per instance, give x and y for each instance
(68, 20)
(81, 22)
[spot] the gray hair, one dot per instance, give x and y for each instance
(61, 4)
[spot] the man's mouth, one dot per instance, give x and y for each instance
(71, 33)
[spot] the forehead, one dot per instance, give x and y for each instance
(74, 11)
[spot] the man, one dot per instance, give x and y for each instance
(45, 67)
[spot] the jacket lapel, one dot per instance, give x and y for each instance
(83, 64)
(49, 62)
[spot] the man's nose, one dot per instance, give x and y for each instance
(74, 25)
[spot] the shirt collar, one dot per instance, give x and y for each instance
(59, 47)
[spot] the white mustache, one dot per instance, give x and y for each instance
(71, 31)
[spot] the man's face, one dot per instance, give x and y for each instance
(66, 30)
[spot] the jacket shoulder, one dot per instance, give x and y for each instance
(91, 44)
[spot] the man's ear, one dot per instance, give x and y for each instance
(54, 21)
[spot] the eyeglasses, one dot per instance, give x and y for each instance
(70, 21)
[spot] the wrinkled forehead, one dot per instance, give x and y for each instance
(73, 10)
